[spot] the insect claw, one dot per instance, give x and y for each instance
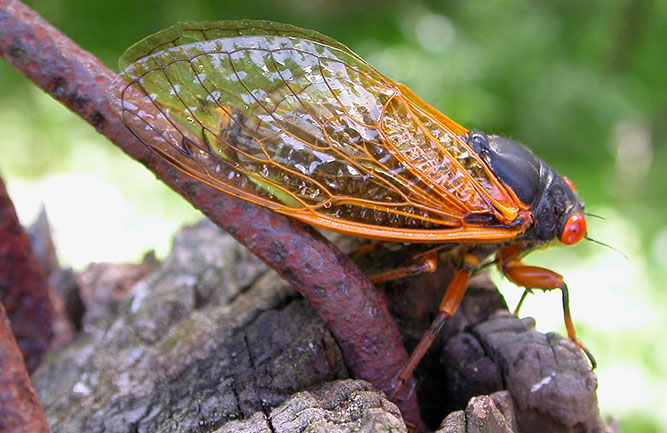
(398, 386)
(587, 352)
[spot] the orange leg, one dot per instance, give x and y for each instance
(425, 264)
(450, 302)
(533, 277)
(367, 248)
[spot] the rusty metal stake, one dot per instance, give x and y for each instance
(23, 287)
(20, 411)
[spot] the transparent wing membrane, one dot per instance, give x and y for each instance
(293, 120)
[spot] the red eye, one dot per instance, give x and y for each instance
(570, 184)
(574, 230)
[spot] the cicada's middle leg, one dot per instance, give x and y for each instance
(448, 306)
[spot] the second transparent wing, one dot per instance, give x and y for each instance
(305, 128)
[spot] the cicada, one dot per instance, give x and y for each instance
(295, 121)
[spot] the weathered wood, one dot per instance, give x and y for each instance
(210, 337)
(343, 406)
(550, 381)
(484, 414)
(212, 341)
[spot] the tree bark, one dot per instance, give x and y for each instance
(213, 341)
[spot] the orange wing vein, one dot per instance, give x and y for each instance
(294, 121)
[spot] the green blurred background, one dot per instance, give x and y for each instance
(581, 83)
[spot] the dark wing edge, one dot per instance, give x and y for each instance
(192, 31)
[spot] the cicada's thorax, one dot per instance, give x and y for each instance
(553, 202)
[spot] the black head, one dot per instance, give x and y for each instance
(557, 209)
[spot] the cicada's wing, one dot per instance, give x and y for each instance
(294, 121)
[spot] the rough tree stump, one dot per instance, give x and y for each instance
(212, 341)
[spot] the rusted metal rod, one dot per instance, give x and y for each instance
(343, 296)
(24, 288)
(19, 406)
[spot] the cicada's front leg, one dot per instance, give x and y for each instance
(534, 277)
(425, 264)
(448, 306)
